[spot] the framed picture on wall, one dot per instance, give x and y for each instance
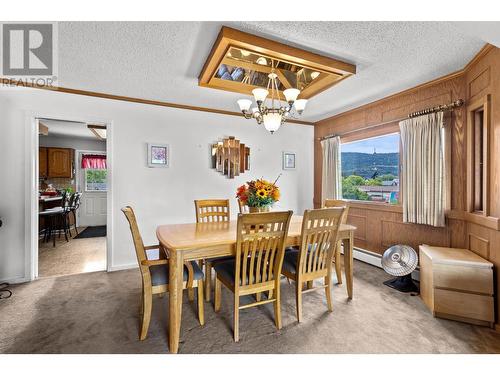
(158, 155)
(289, 160)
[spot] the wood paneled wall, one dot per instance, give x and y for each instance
(381, 225)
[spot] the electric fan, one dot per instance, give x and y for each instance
(400, 261)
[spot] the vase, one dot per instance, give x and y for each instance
(259, 209)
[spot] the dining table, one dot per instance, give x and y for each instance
(196, 241)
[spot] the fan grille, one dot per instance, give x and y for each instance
(399, 260)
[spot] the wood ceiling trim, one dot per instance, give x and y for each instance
(283, 51)
(11, 82)
(95, 130)
(97, 135)
(482, 52)
(229, 37)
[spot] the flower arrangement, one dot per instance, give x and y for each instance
(259, 194)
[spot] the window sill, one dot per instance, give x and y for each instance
(376, 206)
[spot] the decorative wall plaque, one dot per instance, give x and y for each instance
(230, 157)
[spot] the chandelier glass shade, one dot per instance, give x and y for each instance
(269, 109)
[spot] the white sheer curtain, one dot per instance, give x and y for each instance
(423, 169)
(330, 180)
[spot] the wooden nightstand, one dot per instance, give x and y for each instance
(457, 284)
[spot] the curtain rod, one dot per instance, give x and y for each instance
(443, 107)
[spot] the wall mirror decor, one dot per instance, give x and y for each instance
(230, 157)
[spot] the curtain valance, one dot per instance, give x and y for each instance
(94, 161)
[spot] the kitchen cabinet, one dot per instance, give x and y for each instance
(60, 162)
(42, 162)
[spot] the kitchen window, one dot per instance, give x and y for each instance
(370, 169)
(95, 180)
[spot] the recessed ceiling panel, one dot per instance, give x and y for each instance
(240, 62)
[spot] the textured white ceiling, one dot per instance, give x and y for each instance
(162, 61)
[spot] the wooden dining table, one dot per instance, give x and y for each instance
(195, 241)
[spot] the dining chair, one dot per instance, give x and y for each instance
(210, 211)
(243, 207)
(338, 203)
(313, 259)
(54, 222)
(155, 275)
(256, 268)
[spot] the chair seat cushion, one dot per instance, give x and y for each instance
(290, 260)
(159, 273)
(226, 269)
(219, 259)
(52, 211)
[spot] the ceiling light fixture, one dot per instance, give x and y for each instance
(261, 61)
(273, 116)
(314, 75)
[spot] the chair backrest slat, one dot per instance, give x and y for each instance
(212, 210)
(140, 252)
(260, 247)
(329, 203)
(319, 237)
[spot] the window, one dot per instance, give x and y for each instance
(95, 179)
(370, 169)
(477, 151)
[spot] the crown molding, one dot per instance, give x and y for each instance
(66, 90)
(487, 48)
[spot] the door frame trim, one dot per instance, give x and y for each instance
(32, 187)
(78, 172)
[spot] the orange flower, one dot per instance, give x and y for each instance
(276, 195)
(241, 193)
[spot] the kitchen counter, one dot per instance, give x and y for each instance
(48, 198)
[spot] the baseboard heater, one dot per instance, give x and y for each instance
(374, 259)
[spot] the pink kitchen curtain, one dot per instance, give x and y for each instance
(94, 161)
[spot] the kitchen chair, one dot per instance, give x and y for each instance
(64, 198)
(67, 207)
(313, 259)
(155, 275)
(209, 211)
(72, 207)
(338, 203)
(54, 221)
(260, 247)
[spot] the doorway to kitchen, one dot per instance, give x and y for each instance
(73, 193)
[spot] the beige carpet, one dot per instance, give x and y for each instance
(98, 313)
(68, 258)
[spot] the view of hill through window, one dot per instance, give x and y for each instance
(370, 169)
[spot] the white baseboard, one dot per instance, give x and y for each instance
(367, 257)
(376, 260)
(122, 267)
(16, 280)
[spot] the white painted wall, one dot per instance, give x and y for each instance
(158, 195)
(72, 142)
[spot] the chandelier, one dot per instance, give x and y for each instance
(274, 115)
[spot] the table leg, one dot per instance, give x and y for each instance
(176, 268)
(348, 262)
